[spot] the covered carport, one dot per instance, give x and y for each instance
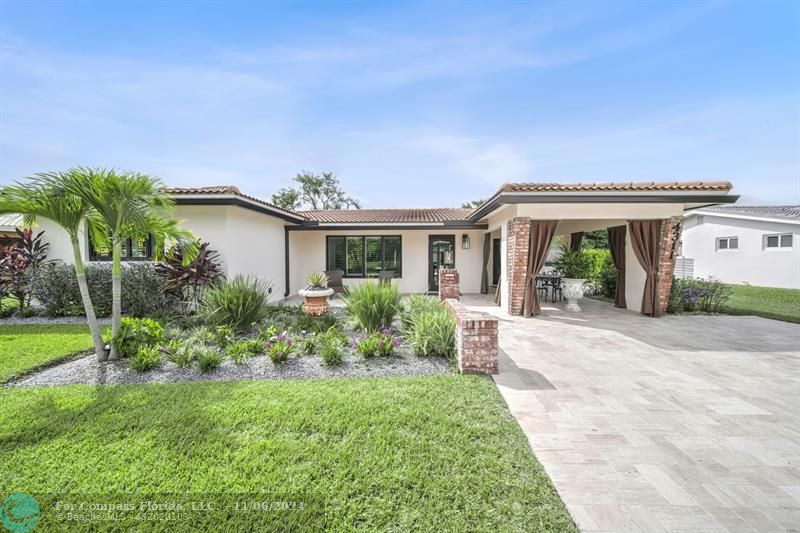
(646, 219)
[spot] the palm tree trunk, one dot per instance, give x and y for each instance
(88, 306)
(116, 295)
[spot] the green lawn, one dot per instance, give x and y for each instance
(423, 453)
(23, 347)
(780, 304)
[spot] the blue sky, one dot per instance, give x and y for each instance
(410, 104)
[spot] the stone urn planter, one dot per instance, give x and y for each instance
(316, 300)
(573, 291)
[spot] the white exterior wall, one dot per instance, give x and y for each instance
(248, 242)
(307, 255)
(751, 263)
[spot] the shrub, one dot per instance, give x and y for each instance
(608, 277)
(373, 305)
(187, 281)
(184, 353)
(333, 345)
(19, 264)
(223, 335)
(146, 358)
(239, 302)
(378, 343)
(574, 264)
(315, 324)
(693, 295)
(266, 334)
(280, 348)
(239, 353)
(136, 333)
(253, 346)
(308, 345)
(208, 359)
(415, 304)
(55, 287)
(433, 332)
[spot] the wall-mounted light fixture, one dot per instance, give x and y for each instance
(465, 241)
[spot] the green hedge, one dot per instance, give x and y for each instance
(56, 291)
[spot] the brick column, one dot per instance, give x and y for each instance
(448, 284)
(519, 240)
(476, 339)
(669, 238)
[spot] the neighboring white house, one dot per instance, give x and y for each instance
(487, 245)
(756, 245)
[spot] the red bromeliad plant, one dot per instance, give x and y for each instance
(187, 281)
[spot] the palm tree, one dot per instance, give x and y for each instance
(131, 206)
(44, 197)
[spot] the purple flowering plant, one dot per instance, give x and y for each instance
(280, 347)
(382, 342)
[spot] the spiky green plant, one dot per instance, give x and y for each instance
(433, 332)
(414, 305)
(373, 305)
(238, 302)
(317, 280)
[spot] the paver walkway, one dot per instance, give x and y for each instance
(682, 423)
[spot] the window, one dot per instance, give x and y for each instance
(773, 242)
(137, 249)
(727, 243)
(364, 256)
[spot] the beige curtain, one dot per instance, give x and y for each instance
(616, 242)
(542, 232)
(644, 238)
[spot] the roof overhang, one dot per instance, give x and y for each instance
(448, 225)
(702, 198)
(700, 211)
(238, 201)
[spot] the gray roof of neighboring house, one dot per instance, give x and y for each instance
(10, 221)
(784, 212)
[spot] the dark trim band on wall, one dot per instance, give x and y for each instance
(239, 202)
(511, 198)
(286, 258)
(387, 227)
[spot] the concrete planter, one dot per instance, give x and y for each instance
(573, 291)
(316, 301)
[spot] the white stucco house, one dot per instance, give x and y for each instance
(757, 245)
(490, 246)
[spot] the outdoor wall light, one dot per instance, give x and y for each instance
(465, 241)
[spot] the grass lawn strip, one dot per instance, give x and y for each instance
(767, 302)
(429, 453)
(28, 346)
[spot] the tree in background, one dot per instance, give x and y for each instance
(473, 204)
(315, 192)
(597, 239)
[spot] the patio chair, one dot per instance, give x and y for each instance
(335, 281)
(385, 276)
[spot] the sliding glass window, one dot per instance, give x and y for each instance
(364, 256)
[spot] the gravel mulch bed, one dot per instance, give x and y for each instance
(14, 321)
(87, 370)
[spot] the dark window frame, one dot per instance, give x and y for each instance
(126, 257)
(398, 273)
(779, 237)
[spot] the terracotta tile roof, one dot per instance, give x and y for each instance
(788, 212)
(618, 186)
(214, 189)
(226, 189)
(388, 216)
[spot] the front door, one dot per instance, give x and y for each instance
(495, 261)
(441, 254)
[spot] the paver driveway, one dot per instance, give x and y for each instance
(682, 423)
